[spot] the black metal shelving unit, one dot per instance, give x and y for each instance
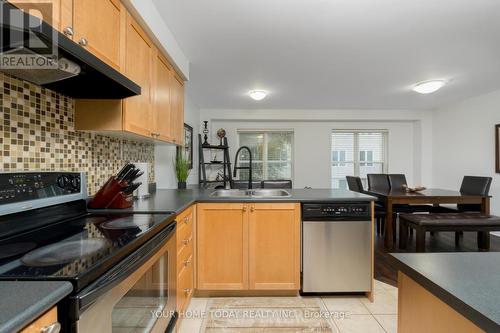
(225, 163)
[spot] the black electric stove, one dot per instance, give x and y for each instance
(62, 241)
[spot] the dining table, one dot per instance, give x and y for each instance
(432, 196)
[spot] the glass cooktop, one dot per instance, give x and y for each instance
(78, 250)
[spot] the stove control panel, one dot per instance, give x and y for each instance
(312, 211)
(23, 186)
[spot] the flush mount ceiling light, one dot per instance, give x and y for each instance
(428, 87)
(257, 95)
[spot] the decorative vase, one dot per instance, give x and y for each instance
(181, 185)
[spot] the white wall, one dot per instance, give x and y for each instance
(464, 143)
(165, 154)
(410, 135)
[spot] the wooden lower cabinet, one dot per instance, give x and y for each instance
(222, 242)
(420, 311)
(274, 246)
(43, 323)
(185, 258)
(248, 246)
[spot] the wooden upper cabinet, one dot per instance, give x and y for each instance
(222, 245)
(139, 56)
(177, 110)
(162, 107)
(274, 246)
(98, 26)
(59, 14)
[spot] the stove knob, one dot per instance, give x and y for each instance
(62, 181)
(75, 183)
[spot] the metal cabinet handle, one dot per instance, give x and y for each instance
(186, 241)
(186, 219)
(52, 328)
(68, 31)
(187, 262)
(83, 42)
(244, 208)
(187, 290)
(252, 209)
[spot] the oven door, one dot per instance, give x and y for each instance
(137, 295)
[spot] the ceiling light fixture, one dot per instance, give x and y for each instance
(257, 95)
(428, 87)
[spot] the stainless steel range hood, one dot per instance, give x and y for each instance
(34, 51)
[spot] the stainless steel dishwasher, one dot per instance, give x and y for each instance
(336, 247)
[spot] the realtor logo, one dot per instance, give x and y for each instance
(23, 42)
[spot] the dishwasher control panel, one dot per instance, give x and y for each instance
(311, 211)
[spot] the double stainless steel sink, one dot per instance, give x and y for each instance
(257, 193)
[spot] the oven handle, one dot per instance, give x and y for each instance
(121, 271)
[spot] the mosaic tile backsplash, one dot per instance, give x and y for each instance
(37, 133)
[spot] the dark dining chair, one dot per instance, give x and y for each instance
(356, 185)
(472, 185)
(397, 181)
(475, 186)
(277, 184)
(378, 182)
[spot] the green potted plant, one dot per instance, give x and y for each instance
(181, 169)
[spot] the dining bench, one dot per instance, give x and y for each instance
(422, 223)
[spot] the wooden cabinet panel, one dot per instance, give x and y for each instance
(162, 106)
(274, 246)
(222, 243)
(59, 14)
(101, 24)
(138, 67)
(43, 322)
(177, 109)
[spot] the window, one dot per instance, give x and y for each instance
(271, 154)
(357, 153)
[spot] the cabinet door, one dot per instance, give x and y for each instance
(100, 23)
(222, 245)
(161, 107)
(177, 119)
(139, 68)
(57, 13)
(274, 246)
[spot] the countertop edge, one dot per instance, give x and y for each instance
(448, 298)
(36, 309)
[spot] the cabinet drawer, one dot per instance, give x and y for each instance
(43, 322)
(184, 287)
(184, 237)
(185, 257)
(185, 219)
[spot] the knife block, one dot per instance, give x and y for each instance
(106, 194)
(121, 201)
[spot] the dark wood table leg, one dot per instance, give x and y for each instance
(388, 243)
(485, 206)
(403, 234)
(420, 239)
(483, 240)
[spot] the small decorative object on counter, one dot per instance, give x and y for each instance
(181, 169)
(221, 133)
(205, 132)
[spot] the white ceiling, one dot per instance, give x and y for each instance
(336, 54)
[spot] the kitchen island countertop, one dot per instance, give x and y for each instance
(468, 282)
(165, 201)
(24, 301)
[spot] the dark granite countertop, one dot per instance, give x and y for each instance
(24, 301)
(468, 282)
(164, 201)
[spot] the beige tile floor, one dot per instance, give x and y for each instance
(360, 314)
